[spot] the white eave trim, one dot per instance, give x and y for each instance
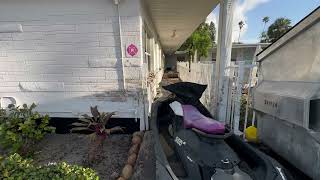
(305, 24)
(245, 45)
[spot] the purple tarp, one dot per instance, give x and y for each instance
(194, 119)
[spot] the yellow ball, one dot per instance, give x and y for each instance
(251, 134)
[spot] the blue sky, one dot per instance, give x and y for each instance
(252, 12)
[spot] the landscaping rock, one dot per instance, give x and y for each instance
(132, 159)
(138, 133)
(127, 171)
(136, 139)
(134, 149)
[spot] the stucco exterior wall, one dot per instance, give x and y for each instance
(199, 73)
(68, 56)
(290, 71)
(297, 60)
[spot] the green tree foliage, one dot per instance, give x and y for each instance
(21, 127)
(243, 108)
(201, 40)
(212, 30)
(264, 37)
(15, 167)
(279, 27)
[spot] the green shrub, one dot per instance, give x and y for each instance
(21, 127)
(15, 167)
(243, 107)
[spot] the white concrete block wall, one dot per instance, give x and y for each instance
(68, 56)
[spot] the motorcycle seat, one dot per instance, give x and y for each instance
(193, 119)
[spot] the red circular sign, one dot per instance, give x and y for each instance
(132, 50)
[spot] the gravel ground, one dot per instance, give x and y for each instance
(73, 148)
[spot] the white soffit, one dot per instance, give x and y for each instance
(175, 20)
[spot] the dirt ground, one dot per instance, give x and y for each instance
(73, 148)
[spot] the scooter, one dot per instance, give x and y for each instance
(191, 145)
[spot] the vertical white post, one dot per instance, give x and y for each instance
(117, 3)
(253, 118)
(258, 49)
(141, 110)
(247, 106)
(252, 81)
(154, 58)
(230, 108)
(238, 98)
(223, 58)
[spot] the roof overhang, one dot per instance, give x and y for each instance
(250, 45)
(175, 20)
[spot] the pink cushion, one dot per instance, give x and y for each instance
(194, 119)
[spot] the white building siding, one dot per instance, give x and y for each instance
(153, 67)
(68, 56)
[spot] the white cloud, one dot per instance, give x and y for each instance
(240, 14)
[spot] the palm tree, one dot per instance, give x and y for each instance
(264, 36)
(265, 20)
(241, 24)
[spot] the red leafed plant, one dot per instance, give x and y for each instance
(97, 125)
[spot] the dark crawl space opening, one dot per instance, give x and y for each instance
(63, 125)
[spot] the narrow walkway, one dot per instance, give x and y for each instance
(170, 77)
(173, 77)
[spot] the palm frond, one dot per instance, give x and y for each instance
(107, 117)
(92, 135)
(80, 129)
(86, 116)
(102, 115)
(80, 124)
(114, 129)
(85, 120)
(95, 113)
